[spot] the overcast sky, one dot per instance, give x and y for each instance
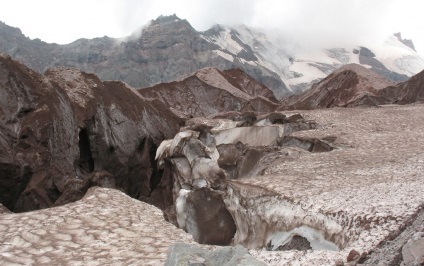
(316, 22)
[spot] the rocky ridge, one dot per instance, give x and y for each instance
(299, 69)
(354, 85)
(168, 47)
(350, 85)
(410, 91)
(164, 50)
(210, 91)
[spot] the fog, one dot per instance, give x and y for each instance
(307, 23)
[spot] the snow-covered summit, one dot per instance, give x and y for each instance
(298, 69)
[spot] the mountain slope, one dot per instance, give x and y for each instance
(209, 91)
(169, 47)
(163, 51)
(350, 85)
(353, 85)
(406, 92)
(394, 59)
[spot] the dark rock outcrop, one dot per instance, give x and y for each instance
(66, 131)
(296, 243)
(311, 145)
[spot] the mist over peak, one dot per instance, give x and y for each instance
(302, 23)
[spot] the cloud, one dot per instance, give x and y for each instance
(201, 14)
(325, 23)
(61, 21)
(310, 23)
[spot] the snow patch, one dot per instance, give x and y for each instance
(311, 65)
(254, 136)
(224, 55)
(199, 183)
(313, 73)
(252, 63)
(315, 238)
(226, 42)
(180, 205)
(397, 57)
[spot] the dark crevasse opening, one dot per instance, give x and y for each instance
(13, 181)
(86, 163)
(145, 181)
(149, 149)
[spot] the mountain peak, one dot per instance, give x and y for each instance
(168, 19)
(9, 30)
(407, 42)
(171, 24)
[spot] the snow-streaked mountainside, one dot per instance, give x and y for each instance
(393, 59)
(169, 47)
(398, 57)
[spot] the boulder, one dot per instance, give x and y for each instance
(297, 243)
(353, 255)
(185, 254)
(413, 250)
(208, 219)
(4, 209)
(309, 144)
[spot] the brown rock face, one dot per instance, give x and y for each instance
(208, 220)
(406, 92)
(353, 85)
(350, 85)
(66, 131)
(210, 91)
(239, 79)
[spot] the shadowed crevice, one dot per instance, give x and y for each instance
(86, 162)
